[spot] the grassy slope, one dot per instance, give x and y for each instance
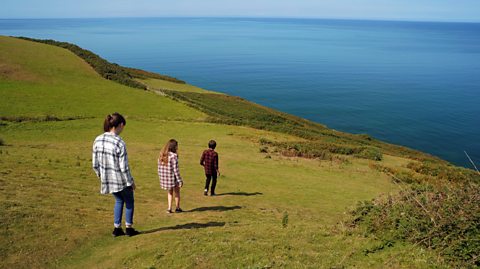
(52, 215)
(58, 83)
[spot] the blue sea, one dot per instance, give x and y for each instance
(410, 83)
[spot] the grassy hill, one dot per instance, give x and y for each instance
(274, 209)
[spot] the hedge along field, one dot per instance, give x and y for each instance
(271, 212)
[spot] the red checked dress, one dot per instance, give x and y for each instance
(169, 174)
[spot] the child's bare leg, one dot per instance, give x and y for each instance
(177, 197)
(169, 195)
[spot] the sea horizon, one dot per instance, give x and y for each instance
(248, 17)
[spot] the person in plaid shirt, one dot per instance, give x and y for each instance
(110, 163)
(209, 161)
(169, 174)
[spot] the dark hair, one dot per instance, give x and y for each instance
(113, 120)
(212, 144)
(172, 145)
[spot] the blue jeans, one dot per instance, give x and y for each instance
(123, 197)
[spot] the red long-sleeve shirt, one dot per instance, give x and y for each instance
(209, 160)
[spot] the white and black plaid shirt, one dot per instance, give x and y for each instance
(110, 163)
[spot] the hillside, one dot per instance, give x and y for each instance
(275, 209)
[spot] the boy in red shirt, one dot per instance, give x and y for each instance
(209, 161)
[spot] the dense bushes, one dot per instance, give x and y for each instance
(370, 153)
(106, 69)
(322, 150)
(445, 218)
(438, 207)
(444, 172)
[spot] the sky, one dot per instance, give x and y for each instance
(416, 10)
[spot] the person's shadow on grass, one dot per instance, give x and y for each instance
(187, 226)
(240, 193)
(214, 208)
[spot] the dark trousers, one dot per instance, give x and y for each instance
(212, 178)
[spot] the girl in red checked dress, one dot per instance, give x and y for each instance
(169, 174)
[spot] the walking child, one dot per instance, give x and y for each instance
(110, 163)
(169, 174)
(209, 161)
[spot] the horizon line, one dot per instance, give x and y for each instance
(248, 17)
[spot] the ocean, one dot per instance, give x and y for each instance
(415, 84)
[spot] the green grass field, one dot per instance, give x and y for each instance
(277, 212)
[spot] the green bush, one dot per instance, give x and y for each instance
(264, 141)
(444, 218)
(314, 149)
(444, 172)
(370, 153)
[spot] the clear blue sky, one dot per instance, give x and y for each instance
(424, 10)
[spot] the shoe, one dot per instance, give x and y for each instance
(178, 210)
(205, 192)
(169, 211)
(117, 232)
(213, 194)
(131, 232)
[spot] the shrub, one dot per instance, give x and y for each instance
(365, 137)
(264, 141)
(370, 153)
(444, 172)
(400, 175)
(444, 218)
